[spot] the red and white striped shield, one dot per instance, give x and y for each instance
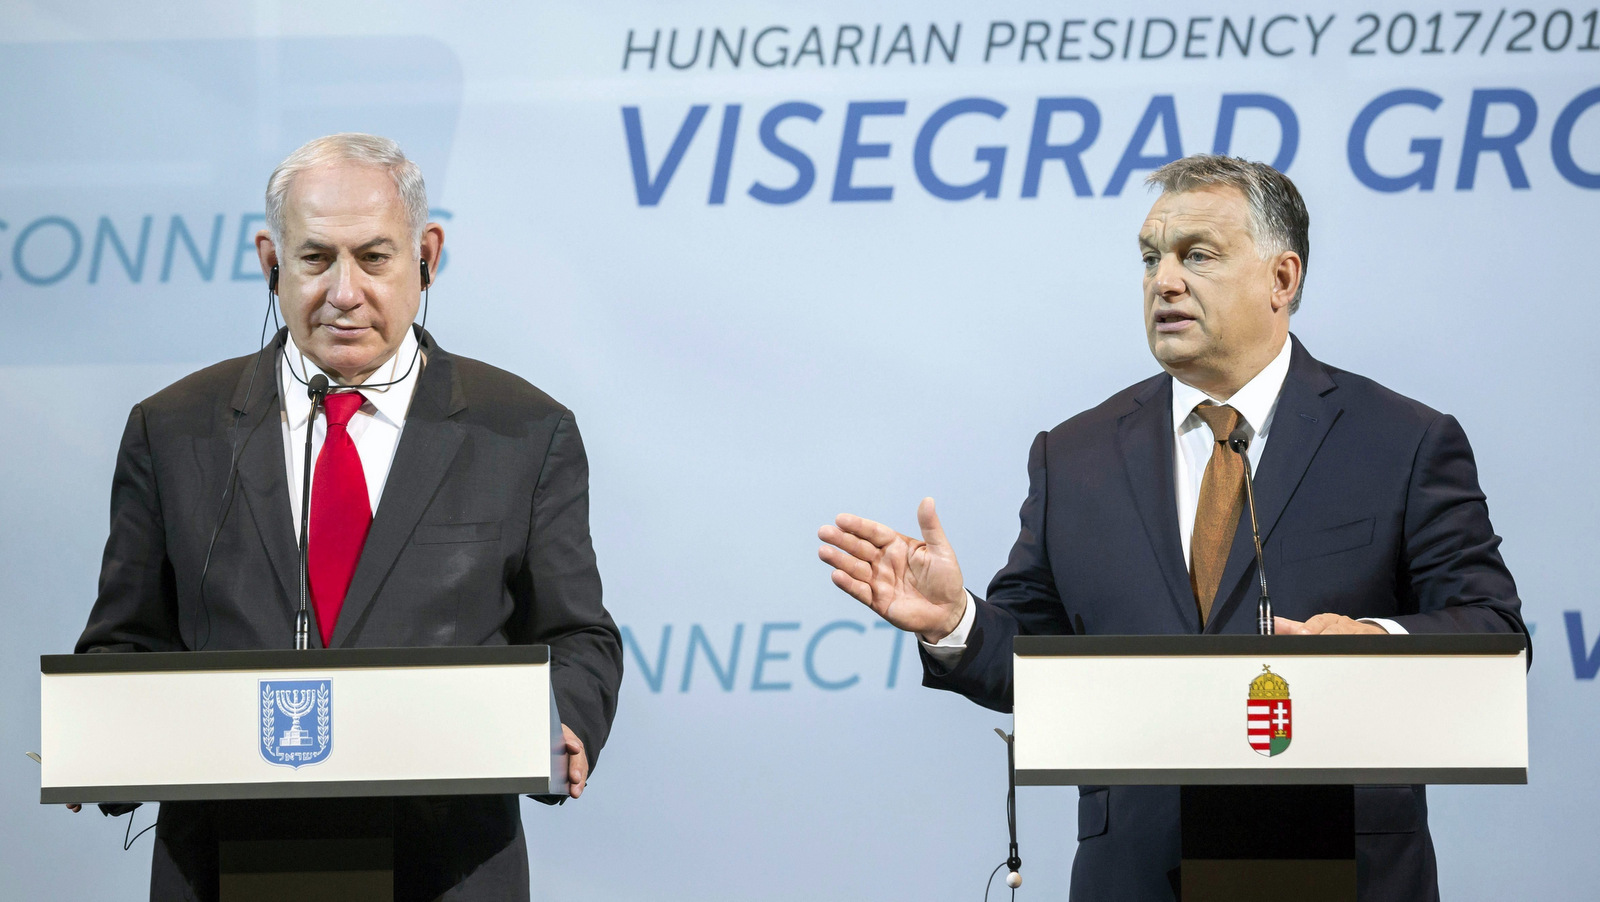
(1269, 725)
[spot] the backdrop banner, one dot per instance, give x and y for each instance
(784, 263)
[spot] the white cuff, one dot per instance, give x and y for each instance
(948, 651)
(1389, 626)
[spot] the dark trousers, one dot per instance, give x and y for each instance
(462, 848)
(1129, 846)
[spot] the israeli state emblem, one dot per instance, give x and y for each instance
(1268, 722)
(296, 721)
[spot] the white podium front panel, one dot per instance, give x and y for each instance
(297, 724)
(1160, 710)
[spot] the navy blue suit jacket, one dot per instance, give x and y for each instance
(1369, 507)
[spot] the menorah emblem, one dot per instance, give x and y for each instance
(295, 703)
(287, 704)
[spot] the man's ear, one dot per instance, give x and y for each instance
(1287, 271)
(267, 253)
(432, 248)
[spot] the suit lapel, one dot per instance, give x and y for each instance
(1299, 425)
(428, 443)
(1144, 438)
(262, 470)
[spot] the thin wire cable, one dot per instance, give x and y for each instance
(228, 489)
(226, 503)
(989, 884)
(1013, 860)
(415, 355)
(128, 843)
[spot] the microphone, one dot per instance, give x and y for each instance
(317, 389)
(1239, 441)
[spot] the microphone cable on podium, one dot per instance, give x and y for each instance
(1013, 862)
(128, 843)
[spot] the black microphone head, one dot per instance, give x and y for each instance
(1239, 440)
(317, 386)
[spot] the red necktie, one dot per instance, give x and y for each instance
(340, 514)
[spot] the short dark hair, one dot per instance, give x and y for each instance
(1278, 218)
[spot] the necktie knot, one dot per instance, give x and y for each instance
(341, 406)
(1221, 418)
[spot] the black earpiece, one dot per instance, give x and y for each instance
(272, 278)
(427, 277)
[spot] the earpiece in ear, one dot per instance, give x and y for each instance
(272, 279)
(427, 277)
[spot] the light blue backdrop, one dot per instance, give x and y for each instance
(745, 365)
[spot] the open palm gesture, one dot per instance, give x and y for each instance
(914, 584)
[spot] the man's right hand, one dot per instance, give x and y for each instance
(914, 585)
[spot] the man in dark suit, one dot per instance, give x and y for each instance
(449, 506)
(1370, 513)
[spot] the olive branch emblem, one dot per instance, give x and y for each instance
(269, 715)
(323, 718)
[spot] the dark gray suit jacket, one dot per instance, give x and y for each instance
(1369, 506)
(481, 537)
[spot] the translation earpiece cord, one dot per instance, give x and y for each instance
(415, 355)
(225, 504)
(228, 485)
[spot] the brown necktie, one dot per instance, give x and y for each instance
(1217, 516)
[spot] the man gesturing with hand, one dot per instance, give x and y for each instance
(914, 585)
(1370, 513)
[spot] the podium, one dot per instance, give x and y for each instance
(1267, 735)
(340, 731)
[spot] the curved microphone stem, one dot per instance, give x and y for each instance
(317, 388)
(1264, 605)
(1240, 443)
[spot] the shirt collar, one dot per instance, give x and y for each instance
(1256, 401)
(390, 402)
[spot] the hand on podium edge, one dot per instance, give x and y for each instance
(1326, 625)
(577, 762)
(913, 584)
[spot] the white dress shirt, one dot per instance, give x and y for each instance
(1257, 403)
(375, 428)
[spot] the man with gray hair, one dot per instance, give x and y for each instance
(448, 506)
(1369, 510)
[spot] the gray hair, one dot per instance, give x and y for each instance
(1278, 218)
(349, 147)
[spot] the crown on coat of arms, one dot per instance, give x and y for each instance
(1269, 685)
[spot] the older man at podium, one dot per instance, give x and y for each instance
(448, 505)
(1368, 504)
